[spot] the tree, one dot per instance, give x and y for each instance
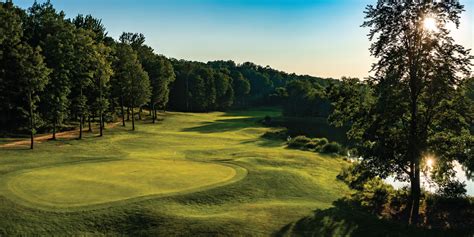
(32, 78)
(161, 76)
(22, 68)
(90, 23)
(83, 74)
(10, 37)
(159, 69)
(241, 87)
(130, 82)
(101, 66)
(139, 90)
(224, 91)
(102, 73)
(409, 110)
(49, 30)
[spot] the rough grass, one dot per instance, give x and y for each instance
(49, 191)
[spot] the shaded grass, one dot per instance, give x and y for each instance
(347, 219)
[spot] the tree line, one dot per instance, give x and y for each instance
(56, 71)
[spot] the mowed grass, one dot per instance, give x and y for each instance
(101, 182)
(190, 174)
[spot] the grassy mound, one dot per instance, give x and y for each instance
(101, 182)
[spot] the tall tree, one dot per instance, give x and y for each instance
(102, 73)
(224, 90)
(83, 74)
(241, 87)
(130, 82)
(47, 28)
(159, 69)
(101, 66)
(10, 37)
(32, 78)
(411, 111)
(139, 90)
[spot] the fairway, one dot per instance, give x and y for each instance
(101, 182)
(190, 173)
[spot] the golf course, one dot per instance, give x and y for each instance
(190, 173)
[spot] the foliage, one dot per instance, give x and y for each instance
(321, 145)
(410, 107)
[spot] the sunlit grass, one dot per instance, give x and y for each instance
(54, 185)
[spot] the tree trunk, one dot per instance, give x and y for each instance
(123, 111)
(153, 113)
(101, 124)
(140, 113)
(415, 151)
(101, 114)
(32, 133)
(133, 120)
(128, 113)
(89, 121)
(54, 129)
(415, 196)
(81, 119)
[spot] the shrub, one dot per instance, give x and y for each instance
(355, 176)
(449, 212)
(267, 121)
(299, 142)
(374, 195)
(321, 141)
(311, 145)
(332, 148)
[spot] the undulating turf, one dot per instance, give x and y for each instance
(101, 182)
(189, 174)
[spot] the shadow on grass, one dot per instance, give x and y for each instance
(264, 142)
(225, 125)
(347, 219)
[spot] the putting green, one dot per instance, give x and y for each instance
(97, 183)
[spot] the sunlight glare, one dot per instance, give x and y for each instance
(429, 23)
(429, 161)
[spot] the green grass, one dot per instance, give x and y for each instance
(91, 183)
(199, 174)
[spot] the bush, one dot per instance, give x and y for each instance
(267, 121)
(312, 145)
(332, 148)
(299, 142)
(449, 212)
(321, 141)
(374, 195)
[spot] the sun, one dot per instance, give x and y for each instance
(429, 23)
(430, 162)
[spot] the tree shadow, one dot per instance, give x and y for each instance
(348, 219)
(225, 125)
(264, 142)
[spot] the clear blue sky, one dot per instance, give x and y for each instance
(316, 37)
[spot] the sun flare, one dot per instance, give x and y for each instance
(429, 23)
(430, 162)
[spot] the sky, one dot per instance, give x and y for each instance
(315, 37)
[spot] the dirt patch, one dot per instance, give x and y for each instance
(42, 138)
